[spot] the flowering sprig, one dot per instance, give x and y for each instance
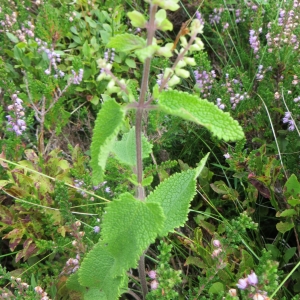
(250, 282)
(289, 120)
(16, 120)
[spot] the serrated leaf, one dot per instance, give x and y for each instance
(284, 226)
(107, 125)
(94, 294)
(73, 283)
(126, 42)
(129, 227)
(174, 195)
(95, 272)
(125, 150)
(202, 112)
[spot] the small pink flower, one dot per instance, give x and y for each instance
(242, 284)
(227, 155)
(154, 284)
(217, 243)
(252, 278)
(232, 292)
(216, 252)
(152, 274)
(258, 296)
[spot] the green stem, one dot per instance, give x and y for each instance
(151, 28)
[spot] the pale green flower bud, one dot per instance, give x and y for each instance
(165, 51)
(111, 84)
(173, 81)
(199, 43)
(146, 52)
(182, 73)
(112, 90)
(101, 62)
(166, 4)
(196, 27)
(183, 41)
(137, 19)
(162, 22)
(103, 76)
(160, 16)
(181, 64)
(197, 46)
(168, 71)
(190, 61)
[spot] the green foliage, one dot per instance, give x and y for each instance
(125, 150)
(167, 277)
(174, 195)
(107, 126)
(202, 112)
(126, 42)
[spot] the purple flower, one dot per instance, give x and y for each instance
(288, 119)
(97, 229)
(242, 283)
(154, 284)
(227, 155)
(217, 243)
(252, 278)
(152, 274)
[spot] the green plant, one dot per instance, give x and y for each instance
(143, 218)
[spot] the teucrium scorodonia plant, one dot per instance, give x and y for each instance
(131, 224)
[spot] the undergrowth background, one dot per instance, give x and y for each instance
(247, 196)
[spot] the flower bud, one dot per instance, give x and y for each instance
(166, 4)
(242, 283)
(173, 81)
(217, 243)
(190, 61)
(252, 278)
(182, 73)
(152, 274)
(196, 27)
(137, 19)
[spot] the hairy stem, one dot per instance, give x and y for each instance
(151, 27)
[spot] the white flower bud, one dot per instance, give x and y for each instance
(182, 73)
(173, 81)
(190, 61)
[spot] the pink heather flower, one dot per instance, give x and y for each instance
(216, 252)
(227, 155)
(217, 243)
(152, 274)
(258, 296)
(242, 283)
(154, 284)
(252, 278)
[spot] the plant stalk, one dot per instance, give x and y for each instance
(151, 28)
